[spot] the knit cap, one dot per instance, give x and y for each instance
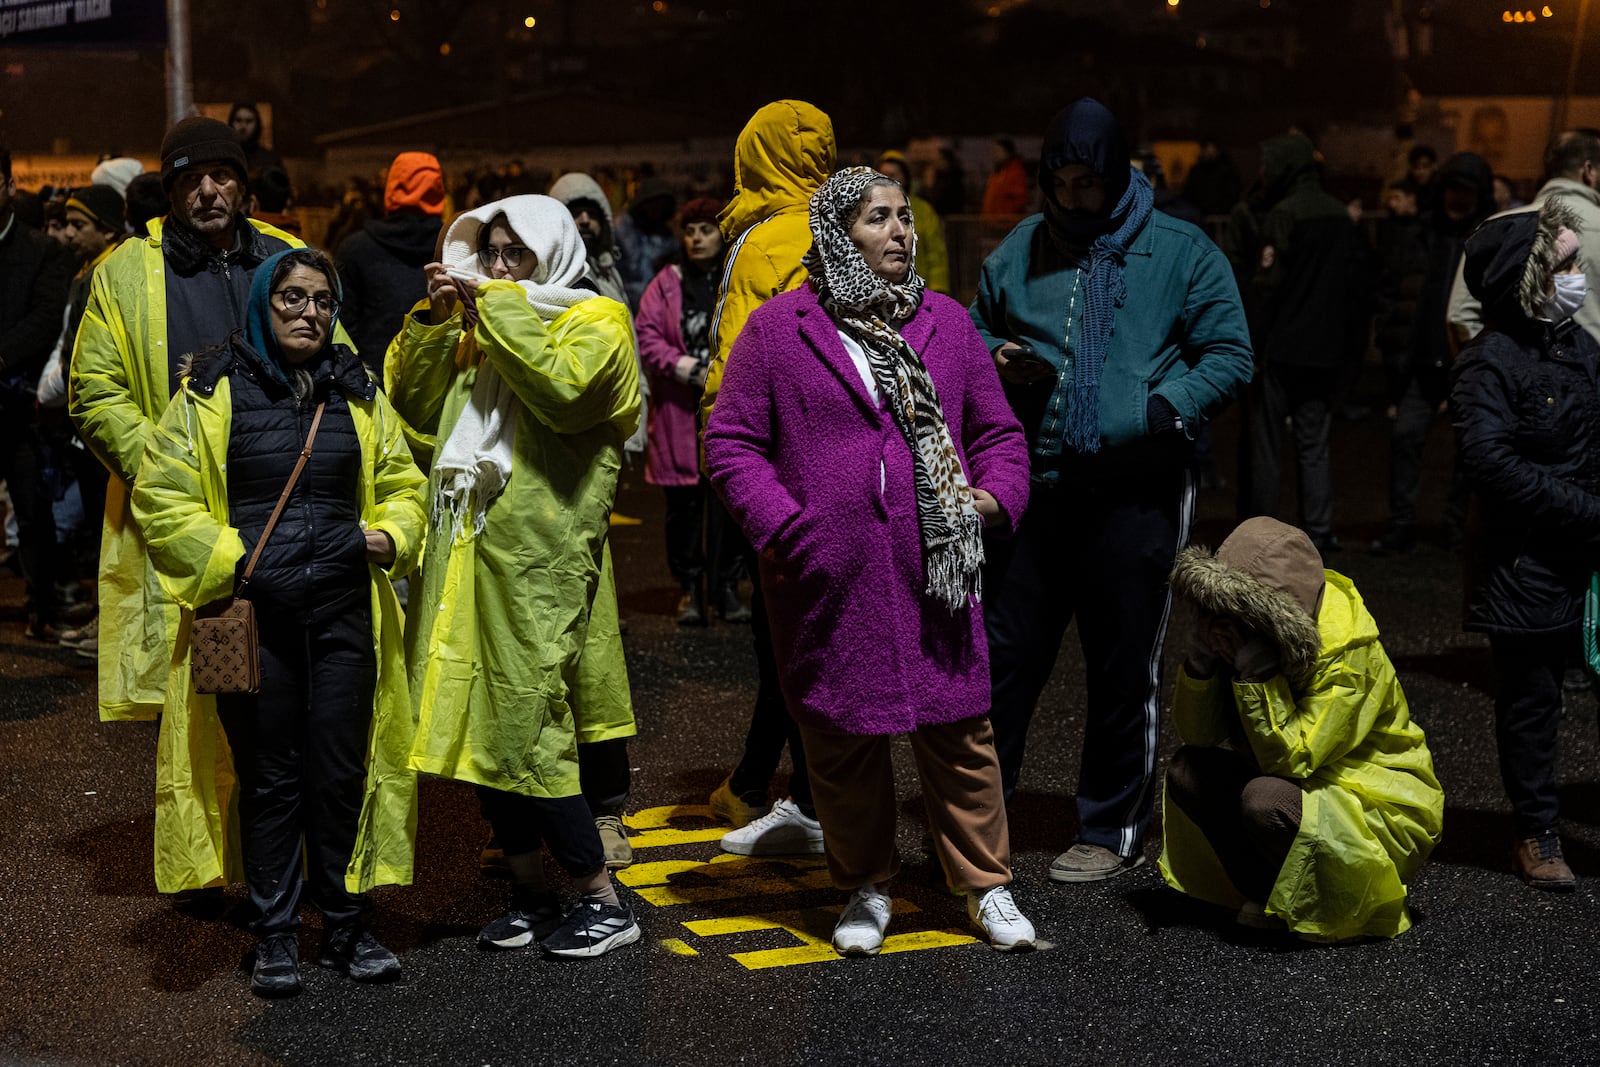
(101, 203)
(197, 141)
(701, 209)
(117, 173)
(416, 183)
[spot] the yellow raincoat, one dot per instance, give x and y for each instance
(1372, 809)
(783, 154)
(514, 628)
(117, 390)
(180, 501)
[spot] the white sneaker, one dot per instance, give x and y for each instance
(995, 911)
(859, 931)
(783, 831)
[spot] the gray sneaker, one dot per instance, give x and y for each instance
(1084, 862)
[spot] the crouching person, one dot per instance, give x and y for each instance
(319, 751)
(1304, 794)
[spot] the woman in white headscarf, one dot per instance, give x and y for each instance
(526, 380)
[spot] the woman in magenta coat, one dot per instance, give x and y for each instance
(674, 330)
(862, 442)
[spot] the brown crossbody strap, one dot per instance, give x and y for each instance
(305, 455)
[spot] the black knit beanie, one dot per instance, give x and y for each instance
(102, 204)
(196, 141)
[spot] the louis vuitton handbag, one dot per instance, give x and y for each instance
(224, 649)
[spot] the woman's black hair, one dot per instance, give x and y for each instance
(311, 258)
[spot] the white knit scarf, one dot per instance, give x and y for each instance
(474, 466)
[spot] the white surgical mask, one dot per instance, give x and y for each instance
(1564, 303)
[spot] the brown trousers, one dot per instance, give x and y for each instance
(852, 783)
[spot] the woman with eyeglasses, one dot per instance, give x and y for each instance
(525, 379)
(325, 799)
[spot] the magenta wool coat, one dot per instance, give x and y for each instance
(794, 446)
(672, 454)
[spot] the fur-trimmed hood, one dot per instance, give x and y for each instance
(1511, 259)
(1269, 576)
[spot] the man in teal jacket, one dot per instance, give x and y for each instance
(1118, 332)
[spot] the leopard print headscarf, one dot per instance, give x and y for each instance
(871, 308)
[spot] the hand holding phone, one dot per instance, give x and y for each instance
(1022, 364)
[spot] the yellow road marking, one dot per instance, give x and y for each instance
(669, 883)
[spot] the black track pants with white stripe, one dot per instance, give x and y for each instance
(1098, 549)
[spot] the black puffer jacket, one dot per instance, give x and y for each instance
(380, 272)
(1526, 405)
(317, 552)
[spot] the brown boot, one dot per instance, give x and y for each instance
(1538, 862)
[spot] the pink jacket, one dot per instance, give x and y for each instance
(673, 455)
(794, 446)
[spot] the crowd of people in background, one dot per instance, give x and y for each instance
(920, 496)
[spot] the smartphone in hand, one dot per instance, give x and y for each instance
(1026, 356)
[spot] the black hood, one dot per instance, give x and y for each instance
(1086, 133)
(1509, 261)
(1286, 162)
(409, 237)
(1464, 170)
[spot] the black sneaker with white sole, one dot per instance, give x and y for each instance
(531, 917)
(592, 929)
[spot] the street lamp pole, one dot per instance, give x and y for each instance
(1558, 119)
(180, 77)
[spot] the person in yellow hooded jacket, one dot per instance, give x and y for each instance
(527, 381)
(1304, 795)
(159, 297)
(783, 155)
(312, 765)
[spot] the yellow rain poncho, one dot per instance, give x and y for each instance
(1336, 722)
(515, 627)
(180, 501)
(117, 390)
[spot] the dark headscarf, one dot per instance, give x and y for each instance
(258, 316)
(1089, 134)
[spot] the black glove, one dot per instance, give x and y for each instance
(1161, 417)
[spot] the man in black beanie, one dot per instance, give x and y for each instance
(178, 288)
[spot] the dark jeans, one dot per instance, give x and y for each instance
(22, 469)
(1101, 552)
(771, 726)
(523, 823)
(699, 531)
(1304, 396)
(1527, 712)
(300, 753)
(1250, 819)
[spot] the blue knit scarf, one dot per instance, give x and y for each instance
(1104, 291)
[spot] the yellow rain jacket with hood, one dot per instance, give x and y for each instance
(784, 153)
(180, 502)
(515, 651)
(117, 389)
(1334, 720)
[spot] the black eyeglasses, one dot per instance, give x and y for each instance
(294, 302)
(511, 256)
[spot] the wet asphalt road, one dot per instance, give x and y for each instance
(95, 967)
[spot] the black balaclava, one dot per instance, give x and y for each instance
(1086, 133)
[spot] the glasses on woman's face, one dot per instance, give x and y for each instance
(510, 255)
(294, 301)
